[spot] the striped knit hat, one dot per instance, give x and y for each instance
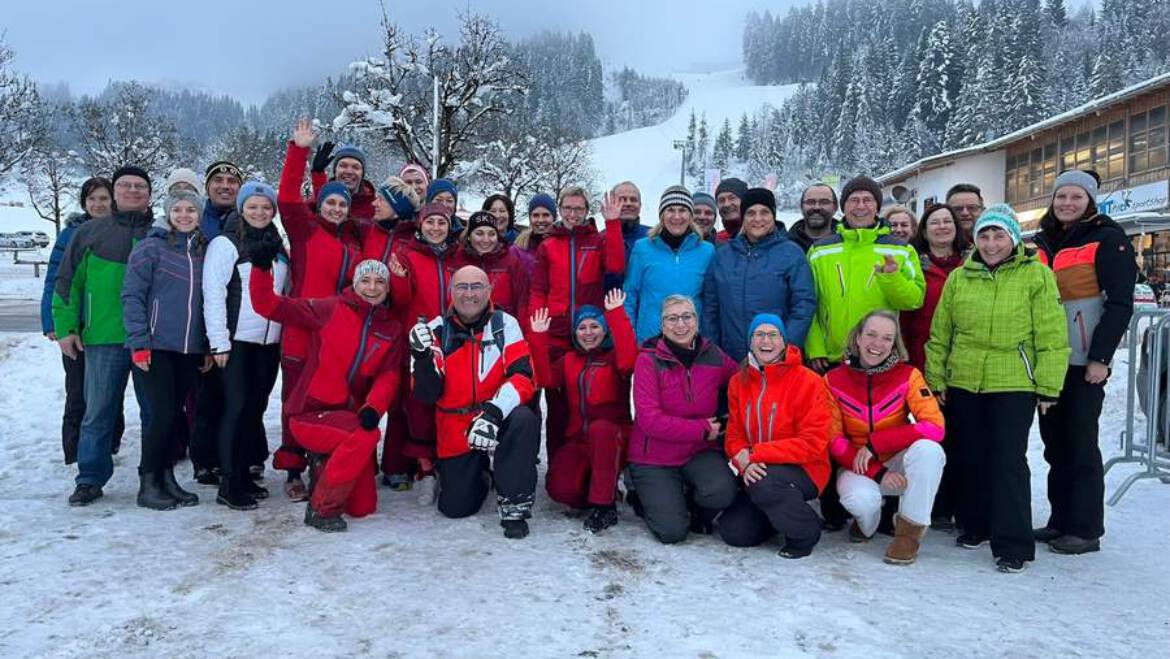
(370, 267)
(676, 195)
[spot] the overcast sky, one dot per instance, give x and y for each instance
(248, 49)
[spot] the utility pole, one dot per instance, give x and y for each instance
(681, 145)
(435, 132)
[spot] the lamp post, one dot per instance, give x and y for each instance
(681, 145)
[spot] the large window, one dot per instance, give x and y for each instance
(1147, 140)
(1031, 174)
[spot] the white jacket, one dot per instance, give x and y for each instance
(219, 265)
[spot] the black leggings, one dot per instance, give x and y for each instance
(167, 384)
(248, 379)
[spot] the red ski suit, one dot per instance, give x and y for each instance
(352, 362)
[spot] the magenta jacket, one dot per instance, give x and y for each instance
(672, 403)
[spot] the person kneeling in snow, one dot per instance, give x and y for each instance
(596, 378)
(350, 379)
(473, 364)
(878, 447)
(777, 439)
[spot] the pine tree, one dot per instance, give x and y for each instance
(702, 146)
(743, 139)
(1056, 13)
(936, 79)
(722, 150)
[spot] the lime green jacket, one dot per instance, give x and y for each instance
(848, 286)
(999, 331)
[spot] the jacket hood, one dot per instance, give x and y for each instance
(741, 244)
(792, 357)
(587, 226)
(656, 347)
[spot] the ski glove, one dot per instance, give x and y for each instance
(141, 356)
(421, 339)
(484, 434)
(368, 418)
(323, 157)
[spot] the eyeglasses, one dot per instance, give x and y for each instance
(126, 185)
(827, 203)
(771, 336)
(679, 318)
(973, 209)
(575, 210)
(862, 201)
(470, 288)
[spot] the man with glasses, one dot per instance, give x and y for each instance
(474, 365)
(87, 315)
(818, 208)
(571, 268)
(857, 270)
(967, 200)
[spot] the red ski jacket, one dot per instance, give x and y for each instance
(425, 292)
(379, 243)
(485, 362)
(322, 255)
(354, 348)
(361, 205)
(571, 265)
(507, 274)
(596, 383)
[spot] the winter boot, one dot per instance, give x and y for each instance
(793, 553)
(1010, 565)
(1073, 545)
(398, 482)
(332, 524)
(295, 490)
(256, 472)
(970, 540)
(514, 529)
(904, 549)
(942, 523)
(232, 496)
(185, 498)
(152, 494)
(1045, 534)
(253, 489)
(426, 488)
(855, 534)
(83, 495)
(206, 476)
(601, 518)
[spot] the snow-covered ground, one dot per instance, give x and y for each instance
(114, 580)
(647, 155)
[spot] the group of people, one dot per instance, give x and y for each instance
(885, 364)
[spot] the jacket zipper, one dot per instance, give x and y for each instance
(771, 423)
(869, 400)
(572, 276)
(1079, 318)
(361, 352)
(1027, 364)
(190, 297)
(344, 265)
(439, 263)
(841, 279)
(581, 389)
(760, 404)
(153, 315)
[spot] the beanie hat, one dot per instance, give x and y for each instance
(334, 188)
(222, 167)
(591, 312)
(417, 168)
(181, 195)
(482, 219)
(370, 266)
(442, 185)
(1002, 216)
(433, 209)
(543, 201)
(401, 203)
(731, 185)
(349, 151)
(704, 199)
(130, 170)
(182, 175)
(862, 184)
(766, 319)
(1082, 180)
(676, 195)
(255, 189)
(756, 196)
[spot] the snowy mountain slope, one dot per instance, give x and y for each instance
(114, 580)
(647, 155)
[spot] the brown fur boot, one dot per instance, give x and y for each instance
(904, 549)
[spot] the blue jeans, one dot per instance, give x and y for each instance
(107, 367)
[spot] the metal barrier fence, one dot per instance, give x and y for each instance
(1153, 453)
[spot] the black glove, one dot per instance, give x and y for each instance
(263, 253)
(368, 418)
(323, 157)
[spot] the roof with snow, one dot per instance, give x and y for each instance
(1094, 105)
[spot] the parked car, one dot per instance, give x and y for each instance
(15, 241)
(38, 238)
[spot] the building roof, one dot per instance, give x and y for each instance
(1094, 105)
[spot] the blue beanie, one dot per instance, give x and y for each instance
(704, 199)
(255, 189)
(543, 201)
(349, 151)
(334, 188)
(442, 185)
(1002, 216)
(767, 319)
(398, 201)
(591, 312)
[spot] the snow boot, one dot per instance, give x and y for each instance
(256, 472)
(171, 486)
(83, 495)
(1073, 545)
(233, 496)
(1010, 565)
(426, 488)
(942, 523)
(907, 535)
(1045, 534)
(970, 541)
(855, 534)
(795, 552)
(601, 518)
(152, 494)
(398, 482)
(252, 488)
(333, 524)
(206, 476)
(514, 529)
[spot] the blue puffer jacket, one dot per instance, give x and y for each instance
(744, 280)
(631, 234)
(162, 293)
(55, 257)
(655, 271)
